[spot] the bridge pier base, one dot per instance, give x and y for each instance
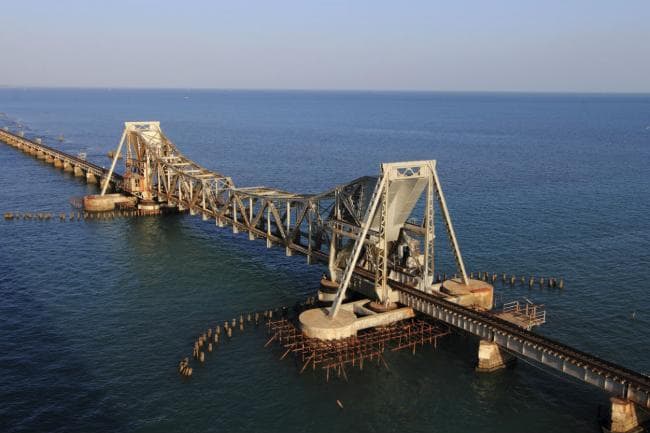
(67, 167)
(58, 163)
(624, 416)
(78, 171)
(91, 178)
(491, 357)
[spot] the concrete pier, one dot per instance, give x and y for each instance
(624, 416)
(58, 163)
(91, 178)
(491, 357)
(327, 290)
(67, 167)
(105, 203)
(78, 171)
(353, 317)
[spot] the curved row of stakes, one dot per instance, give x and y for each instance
(208, 340)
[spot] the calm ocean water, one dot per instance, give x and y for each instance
(95, 315)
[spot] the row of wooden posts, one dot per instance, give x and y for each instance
(208, 340)
(74, 216)
(512, 279)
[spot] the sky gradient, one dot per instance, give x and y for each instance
(564, 46)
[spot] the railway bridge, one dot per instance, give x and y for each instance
(375, 234)
(78, 165)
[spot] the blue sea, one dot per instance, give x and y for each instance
(94, 315)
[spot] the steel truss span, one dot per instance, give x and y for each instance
(366, 222)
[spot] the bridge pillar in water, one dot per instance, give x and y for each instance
(624, 416)
(49, 159)
(491, 357)
(40, 154)
(78, 171)
(91, 178)
(67, 166)
(58, 163)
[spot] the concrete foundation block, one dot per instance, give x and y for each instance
(491, 357)
(624, 416)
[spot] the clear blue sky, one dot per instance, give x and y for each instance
(593, 46)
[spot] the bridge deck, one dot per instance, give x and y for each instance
(27, 144)
(591, 369)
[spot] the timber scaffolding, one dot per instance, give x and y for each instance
(369, 345)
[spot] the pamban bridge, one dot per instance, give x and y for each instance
(376, 235)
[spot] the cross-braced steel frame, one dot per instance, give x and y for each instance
(347, 227)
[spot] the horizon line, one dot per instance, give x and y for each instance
(325, 90)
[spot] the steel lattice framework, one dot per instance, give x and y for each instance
(362, 225)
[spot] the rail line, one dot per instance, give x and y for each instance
(80, 167)
(605, 374)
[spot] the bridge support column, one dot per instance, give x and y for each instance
(49, 159)
(67, 167)
(58, 163)
(78, 171)
(40, 154)
(90, 178)
(491, 357)
(624, 416)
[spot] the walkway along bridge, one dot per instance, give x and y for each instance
(366, 234)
